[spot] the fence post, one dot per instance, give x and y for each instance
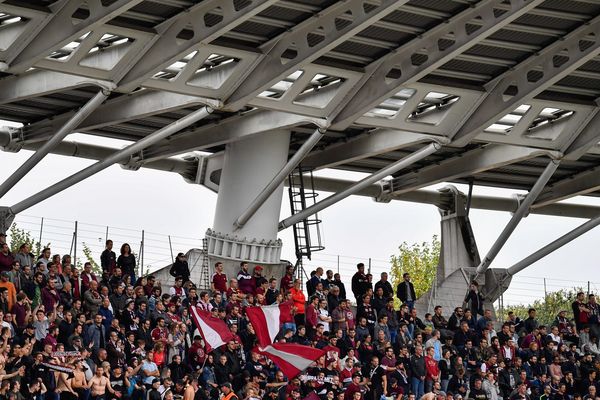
(545, 291)
(338, 263)
(142, 254)
(75, 245)
(171, 247)
(41, 231)
(369, 271)
(588, 288)
(106, 235)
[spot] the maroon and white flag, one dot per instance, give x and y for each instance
(213, 330)
(291, 358)
(267, 321)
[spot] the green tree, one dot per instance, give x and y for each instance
(87, 252)
(547, 308)
(20, 236)
(420, 260)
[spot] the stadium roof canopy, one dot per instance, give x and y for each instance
(505, 84)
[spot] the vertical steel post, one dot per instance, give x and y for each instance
(142, 254)
(41, 231)
(106, 235)
(171, 247)
(75, 245)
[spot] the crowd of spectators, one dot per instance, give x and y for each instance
(67, 333)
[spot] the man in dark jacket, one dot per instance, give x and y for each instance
(180, 268)
(359, 283)
(406, 291)
(383, 283)
(418, 372)
(108, 258)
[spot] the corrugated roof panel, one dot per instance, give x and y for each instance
(376, 32)
(475, 68)
(407, 18)
(581, 82)
(285, 14)
(522, 37)
(497, 52)
(543, 21)
(255, 28)
(360, 49)
(450, 7)
(582, 7)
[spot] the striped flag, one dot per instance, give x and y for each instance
(213, 330)
(267, 321)
(291, 358)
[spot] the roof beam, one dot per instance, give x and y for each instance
(40, 83)
(587, 138)
(302, 44)
(229, 130)
(580, 184)
(376, 86)
(169, 47)
(469, 163)
(371, 144)
(523, 82)
(62, 29)
(119, 110)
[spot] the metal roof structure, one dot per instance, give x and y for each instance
(506, 85)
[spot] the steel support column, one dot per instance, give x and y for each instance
(113, 159)
(518, 216)
(382, 173)
(58, 137)
(279, 178)
(555, 245)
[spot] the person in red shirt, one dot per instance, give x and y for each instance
(433, 371)
(160, 333)
(287, 282)
(219, 279)
(312, 316)
(356, 386)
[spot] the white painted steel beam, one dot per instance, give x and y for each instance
(114, 158)
(122, 109)
(168, 47)
(362, 184)
(61, 29)
(521, 83)
(229, 130)
(435, 43)
(47, 147)
(306, 42)
(580, 184)
(39, 83)
(469, 163)
(519, 214)
(371, 144)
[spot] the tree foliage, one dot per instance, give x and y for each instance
(547, 308)
(420, 260)
(20, 236)
(87, 252)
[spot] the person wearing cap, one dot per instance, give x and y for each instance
(227, 391)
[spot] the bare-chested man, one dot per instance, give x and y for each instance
(79, 383)
(99, 384)
(190, 390)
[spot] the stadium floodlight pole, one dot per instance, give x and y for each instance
(279, 178)
(555, 245)
(117, 157)
(58, 137)
(369, 180)
(517, 216)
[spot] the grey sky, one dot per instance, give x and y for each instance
(356, 228)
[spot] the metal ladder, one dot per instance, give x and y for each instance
(204, 272)
(307, 233)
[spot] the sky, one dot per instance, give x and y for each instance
(354, 230)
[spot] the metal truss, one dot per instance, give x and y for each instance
(531, 77)
(376, 142)
(582, 183)
(172, 44)
(469, 163)
(61, 29)
(306, 42)
(124, 108)
(438, 46)
(229, 130)
(40, 83)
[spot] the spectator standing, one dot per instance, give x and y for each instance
(406, 291)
